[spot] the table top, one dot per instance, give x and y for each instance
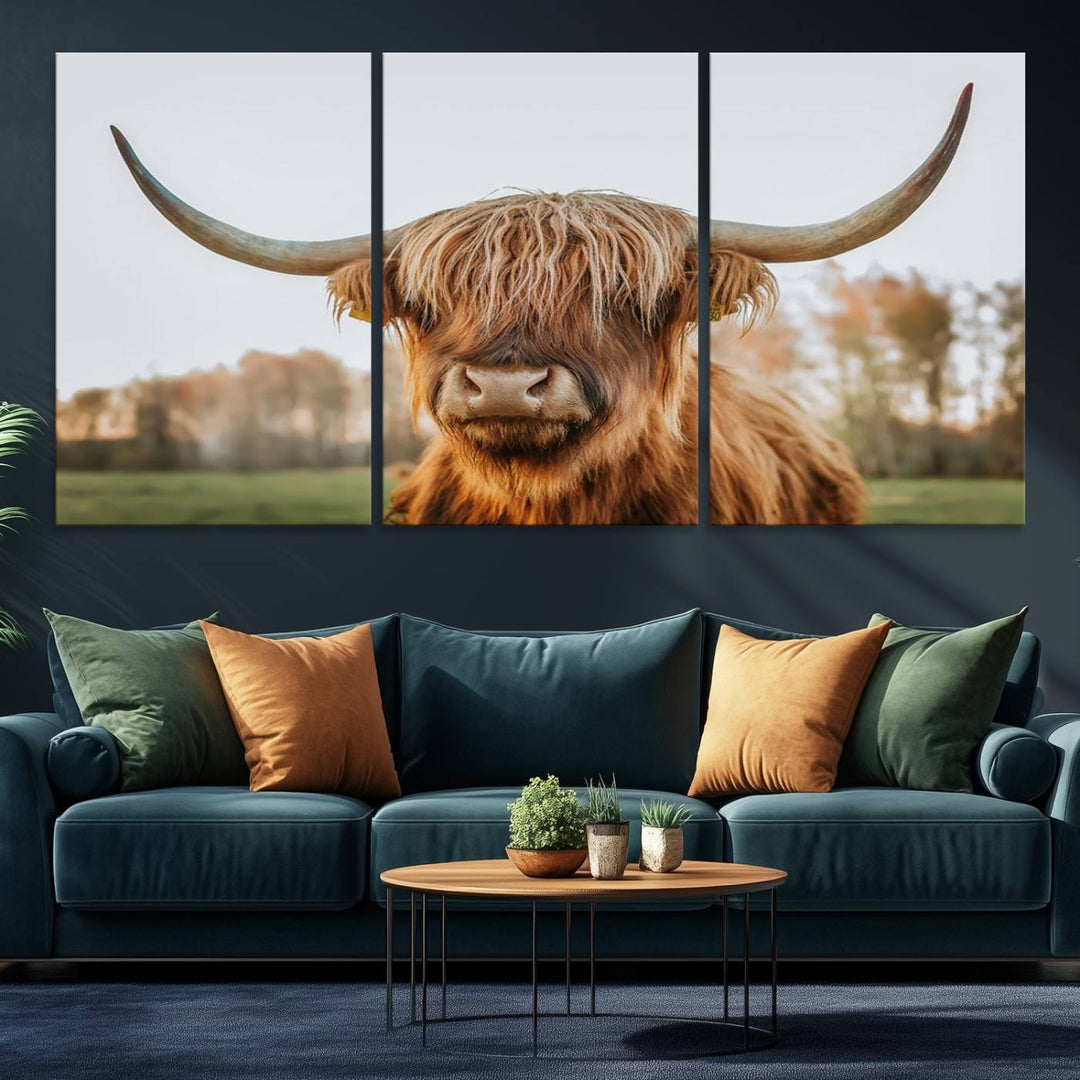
(499, 879)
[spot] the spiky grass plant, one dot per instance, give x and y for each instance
(17, 426)
(546, 817)
(604, 807)
(659, 814)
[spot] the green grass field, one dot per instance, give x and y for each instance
(342, 497)
(286, 497)
(946, 502)
(923, 502)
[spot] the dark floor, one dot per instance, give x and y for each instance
(325, 1021)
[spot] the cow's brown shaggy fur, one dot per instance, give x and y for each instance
(606, 285)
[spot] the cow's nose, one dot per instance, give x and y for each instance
(505, 391)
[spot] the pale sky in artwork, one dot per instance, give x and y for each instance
(275, 144)
(806, 137)
(462, 126)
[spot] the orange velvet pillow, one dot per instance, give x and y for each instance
(308, 711)
(779, 711)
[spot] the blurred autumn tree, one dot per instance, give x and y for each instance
(917, 378)
(269, 412)
(919, 322)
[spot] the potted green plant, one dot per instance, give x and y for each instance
(547, 830)
(662, 835)
(17, 425)
(608, 832)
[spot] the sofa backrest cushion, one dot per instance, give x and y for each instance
(484, 710)
(64, 704)
(1016, 699)
(1018, 696)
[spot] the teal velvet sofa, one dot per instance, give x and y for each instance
(87, 871)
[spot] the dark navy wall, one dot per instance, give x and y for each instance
(815, 579)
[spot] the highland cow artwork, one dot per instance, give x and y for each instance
(195, 386)
(869, 370)
(539, 289)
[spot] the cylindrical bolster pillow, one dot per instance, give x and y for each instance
(1015, 764)
(83, 762)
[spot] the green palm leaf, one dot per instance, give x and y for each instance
(18, 425)
(12, 513)
(12, 635)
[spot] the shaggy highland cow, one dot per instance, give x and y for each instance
(550, 337)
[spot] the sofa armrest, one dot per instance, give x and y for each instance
(27, 813)
(1062, 731)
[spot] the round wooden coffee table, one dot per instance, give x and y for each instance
(499, 880)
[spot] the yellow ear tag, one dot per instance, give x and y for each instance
(356, 312)
(716, 313)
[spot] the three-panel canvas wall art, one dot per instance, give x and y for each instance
(547, 322)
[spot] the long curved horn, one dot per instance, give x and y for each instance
(315, 257)
(801, 243)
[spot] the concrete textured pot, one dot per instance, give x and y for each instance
(661, 849)
(564, 862)
(608, 844)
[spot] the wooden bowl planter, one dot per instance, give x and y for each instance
(555, 863)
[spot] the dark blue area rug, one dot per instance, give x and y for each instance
(334, 1031)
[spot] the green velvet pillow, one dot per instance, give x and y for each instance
(158, 693)
(930, 699)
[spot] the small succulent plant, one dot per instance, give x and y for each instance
(604, 807)
(658, 814)
(546, 817)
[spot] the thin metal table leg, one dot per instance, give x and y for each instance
(725, 965)
(442, 939)
(772, 942)
(592, 959)
(412, 958)
(535, 991)
(746, 971)
(423, 969)
(389, 957)
(568, 917)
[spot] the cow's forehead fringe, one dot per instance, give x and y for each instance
(531, 258)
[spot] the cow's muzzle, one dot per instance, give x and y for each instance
(473, 392)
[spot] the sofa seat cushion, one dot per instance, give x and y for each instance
(889, 849)
(212, 849)
(473, 823)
